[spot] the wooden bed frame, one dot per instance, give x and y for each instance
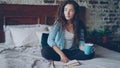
(28, 14)
(14, 14)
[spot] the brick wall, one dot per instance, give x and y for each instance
(105, 13)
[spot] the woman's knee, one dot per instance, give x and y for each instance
(86, 57)
(50, 54)
(91, 56)
(45, 52)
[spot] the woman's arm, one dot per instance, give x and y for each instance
(82, 40)
(62, 55)
(53, 44)
(52, 34)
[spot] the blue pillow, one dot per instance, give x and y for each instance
(44, 40)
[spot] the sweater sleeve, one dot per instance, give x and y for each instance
(52, 34)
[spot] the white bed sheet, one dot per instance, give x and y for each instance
(30, 57)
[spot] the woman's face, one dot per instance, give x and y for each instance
(69, 11)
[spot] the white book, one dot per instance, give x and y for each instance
(70, 63)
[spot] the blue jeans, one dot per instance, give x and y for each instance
(49, 54)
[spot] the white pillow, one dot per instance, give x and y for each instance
(31, 40)
(8, 38)
(50, 28)
(25, 36)
(13, 32)
(39, 35)
(44, 27)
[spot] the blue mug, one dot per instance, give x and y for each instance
(88, 48)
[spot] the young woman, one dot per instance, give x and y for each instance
(65, 39)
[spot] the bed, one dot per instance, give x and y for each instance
(23, 32)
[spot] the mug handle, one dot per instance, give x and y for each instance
(93, 49)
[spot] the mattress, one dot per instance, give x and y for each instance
(30, 57)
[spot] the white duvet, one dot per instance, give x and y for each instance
(30, 57)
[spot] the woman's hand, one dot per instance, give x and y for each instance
(81, 47)
(64, 58)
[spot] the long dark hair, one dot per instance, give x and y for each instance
(78, 24)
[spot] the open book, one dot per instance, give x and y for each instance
(70, 63)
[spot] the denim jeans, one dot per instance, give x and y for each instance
(49, 54)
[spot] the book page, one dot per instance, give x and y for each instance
(70, 63)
